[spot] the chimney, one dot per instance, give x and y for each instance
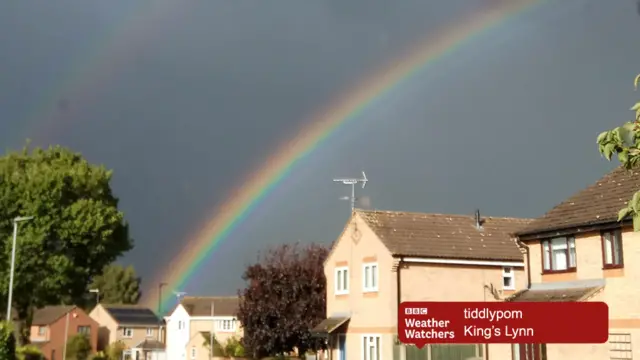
(478, 220)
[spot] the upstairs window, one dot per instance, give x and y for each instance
(508, 279)
(559, 254)
(612, 249)
(84, 330)
(127, 332)
(227, 325)
(370, 277)
(342, 281)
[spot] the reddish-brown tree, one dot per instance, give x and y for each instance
(283, 300)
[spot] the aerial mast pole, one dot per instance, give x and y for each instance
(352, 182)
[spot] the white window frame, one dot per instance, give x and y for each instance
(370, 340)
(127, 332)
(149, 332)
(338, 275)
(374, 271)
(193, 352)
(508, 275)
(42, 330)
(565, 244)
(226, 325)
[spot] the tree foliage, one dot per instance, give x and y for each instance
(232, 348)
(29, 352)
(117, 285)
(7, 342)
(76, 231)
(78, 347)
(283, 300)
(624, 143)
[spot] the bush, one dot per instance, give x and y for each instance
(7, 342)
(78, 348)
(115, 350)
(100, 356)
(29, 352)
(234, 348)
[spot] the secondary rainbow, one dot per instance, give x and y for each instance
(224, 219)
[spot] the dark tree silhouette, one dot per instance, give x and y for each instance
(283, 300)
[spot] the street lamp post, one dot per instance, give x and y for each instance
(13, 261)
(97, 292)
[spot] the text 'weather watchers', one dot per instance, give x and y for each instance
(422, 323)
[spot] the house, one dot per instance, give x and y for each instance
(51, 323)
(383, 258)
(578, 251)
(194, 318)
(133, 326)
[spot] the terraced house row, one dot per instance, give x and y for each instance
(577, 251)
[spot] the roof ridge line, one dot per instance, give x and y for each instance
(441, 214)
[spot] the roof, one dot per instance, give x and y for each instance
(554, 295)
(150, 345)
(132, 315)
(599, 203)
(49, 314)
(445, 236)
(328, 325)
(201, 305)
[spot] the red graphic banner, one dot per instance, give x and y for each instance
(422, 323)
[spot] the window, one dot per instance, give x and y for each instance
(342, 280)
(559, 254)
(371, 347)
(149, 332)
(127, 332)
(84, 330)
(180, 324)
(612, 249)
(620, 346)
(227, 325)
(193, 352)
(42, 330)
(508, 279)
(529, 351)
(370, 277)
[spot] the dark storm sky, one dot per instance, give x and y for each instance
(506, 123)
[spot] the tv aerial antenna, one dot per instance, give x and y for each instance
(179, 294)
(353, 182)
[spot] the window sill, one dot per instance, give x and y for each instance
(340, 293)
(369, 291)
(613, 267)
(552, 272)
(508, 289)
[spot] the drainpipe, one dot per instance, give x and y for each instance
(399, 299)
(526, 249)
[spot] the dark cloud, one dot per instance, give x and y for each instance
(505, 123)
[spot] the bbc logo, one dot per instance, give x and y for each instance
(415, 311)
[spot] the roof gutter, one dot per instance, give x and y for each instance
(573, 229)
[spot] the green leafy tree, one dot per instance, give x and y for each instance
(7, 342)
(78, 347)
(77, 228)
(117, 285)
(624, 143)
(29, 352)
(114, 351)
(232, 348)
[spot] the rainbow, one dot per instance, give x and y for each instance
(98, 64)
(243, 201)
